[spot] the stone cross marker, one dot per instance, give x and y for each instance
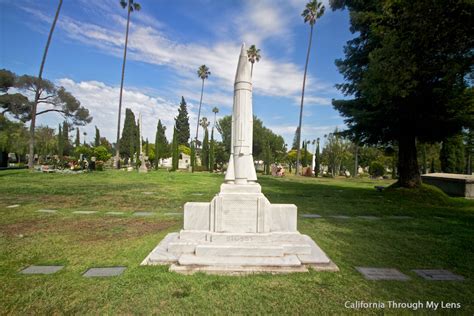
(240, 231)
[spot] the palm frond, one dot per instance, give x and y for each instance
(123, 4)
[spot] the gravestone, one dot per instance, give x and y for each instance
(382, 274)
(104, 272)
(84, 212)
(41, 269)
(240, 231)
(438, 275)
(46, 211)
(13, 206)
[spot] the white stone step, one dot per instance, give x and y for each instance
(233, 250)
(297, 249)
(179, 247)
(257, 237)
(160, 254)
(317, 255)
(235, 270)
(285, 261)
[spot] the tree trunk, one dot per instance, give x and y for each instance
(117, 145)
(199, 112)
(409, 173)
(298, 149)
(38, 93)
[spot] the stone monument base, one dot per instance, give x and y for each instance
(239, 232)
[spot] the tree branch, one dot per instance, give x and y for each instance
(51, 110)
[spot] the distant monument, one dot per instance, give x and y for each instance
(240, 231)
(143, 167)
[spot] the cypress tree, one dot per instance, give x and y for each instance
(212, 152)
(295, 139)
(60, 142)
(77, 143)
(182, 123)
(66, 141)
(161, 143)
(317, 160)
(128, 140)
(175, 150)
(205, 150)
(97, 137)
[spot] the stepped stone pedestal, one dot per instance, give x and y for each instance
(239, 231)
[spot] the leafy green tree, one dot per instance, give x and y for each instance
(131, 6)
(101, 153)
(253, 54)
(182, 123)
(336, 149)
(408, 75)
(129, 140)
(203, 73)
(38, 90)
(97, 137)
(313, 11)
(16, 104)
(175, 150)
(13, 137)
(46, 141)
(452, 154)
(161, 144)
(205, 145)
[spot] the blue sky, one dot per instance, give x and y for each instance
(169, 40)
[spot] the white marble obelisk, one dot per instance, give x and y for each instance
(240, 231)
(143, 167)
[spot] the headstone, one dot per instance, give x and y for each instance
(142, 213)
(438, 275)
(240, 231)
(13, 206)
(46, 211)
(41, 269)
(370, 217)
(104, 272)
(310, 215)
(382, 274)
(115, 213)
(84, 212)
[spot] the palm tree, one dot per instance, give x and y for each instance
(215, 110)
(313, 11)
(254, 56)
(131, 6)
(203, 73)
(38, 91)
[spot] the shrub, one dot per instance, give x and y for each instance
(376, 169)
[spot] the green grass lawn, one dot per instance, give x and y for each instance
(440, 236)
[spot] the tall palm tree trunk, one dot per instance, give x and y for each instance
(199, 112)
(38, 92)
(117, 145)
(298, 152)
(251, 71)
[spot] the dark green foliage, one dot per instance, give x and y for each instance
(205, 151)
(407, 69)
(16, 104)
(77, 142)
(376, 169)
(175, 150)
(193, 155)
(317, 160)
(67, 142)
(13, 136)
(182, 123)
(161, 144)
(129, 141)
(212, 154)
(452, 155)
(60, 142)
(97, 137)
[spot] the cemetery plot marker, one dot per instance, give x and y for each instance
(41, 269)
(382, 274)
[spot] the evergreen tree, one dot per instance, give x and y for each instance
(205, 150)
(175, 150)
(60, 142)
(129, 132)
(97, 137)
(67, 142)
(77, 143)
(452, 155)
(193, 155)
(212, 153)
(317, 160)
(295, 139)
(182, 123)
(161, 143)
